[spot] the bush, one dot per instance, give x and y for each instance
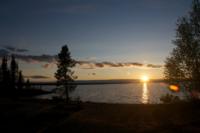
(168, 98)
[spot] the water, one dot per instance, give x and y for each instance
(120, 93)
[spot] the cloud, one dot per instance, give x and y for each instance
(37, 77)
(154, 66)
(93, 65)
(14, 49)
(4, 52)
(49, 61)
(36, 58)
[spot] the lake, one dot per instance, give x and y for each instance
(131, 93)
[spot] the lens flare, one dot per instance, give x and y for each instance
(174, 88)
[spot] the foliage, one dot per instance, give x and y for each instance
(27, 85)
(20, 81)
(184, 61)
(168, 98)
(14, 74)
(10, 77)
(65, 74)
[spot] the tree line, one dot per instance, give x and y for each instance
(11, 78)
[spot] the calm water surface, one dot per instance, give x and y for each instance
(120, 93)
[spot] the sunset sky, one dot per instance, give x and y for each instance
(111, 39)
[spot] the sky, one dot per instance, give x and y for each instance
(110, 39)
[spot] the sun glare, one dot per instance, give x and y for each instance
(144, 78)
(174, 88)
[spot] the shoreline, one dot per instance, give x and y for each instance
(50, 116)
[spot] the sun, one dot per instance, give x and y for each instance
(144, 78)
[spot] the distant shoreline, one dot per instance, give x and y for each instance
(96, 82)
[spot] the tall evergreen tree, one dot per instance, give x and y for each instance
(28, 86)
(20, 81)
(1, 75)
(4, 67)
(5, 76)
(14, 72)
(1, 79)
(64, 74)
(184, 61)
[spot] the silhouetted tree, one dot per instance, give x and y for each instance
(20, 81)
(4, 67)
(184, 61)
(1, 79)
(5, 77)
(1, 75)
(11, 79)
(28, 86)
(14, 74)
(64, 74)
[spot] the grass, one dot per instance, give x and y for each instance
(46, 116)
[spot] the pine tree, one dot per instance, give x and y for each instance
(1, 79)
(14, 72)
(5, 77)
(1, 75)
(20, 81)
(28, 86)
(64, 74)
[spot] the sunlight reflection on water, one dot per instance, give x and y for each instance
(145, 94)
(133, 93)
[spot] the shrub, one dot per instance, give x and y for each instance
(168, 98)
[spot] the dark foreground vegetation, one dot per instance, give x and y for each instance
(44, 116)
(33, 116)
(12, 83)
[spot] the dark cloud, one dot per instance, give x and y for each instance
(99, 65)
(154, 66)
(135, 64)
(110, 64)
(93, 65)
(22, 50)
(127, 64)
(14, 49)
(4, 52)
(36, 58)
(50, 61)
(37, 77)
